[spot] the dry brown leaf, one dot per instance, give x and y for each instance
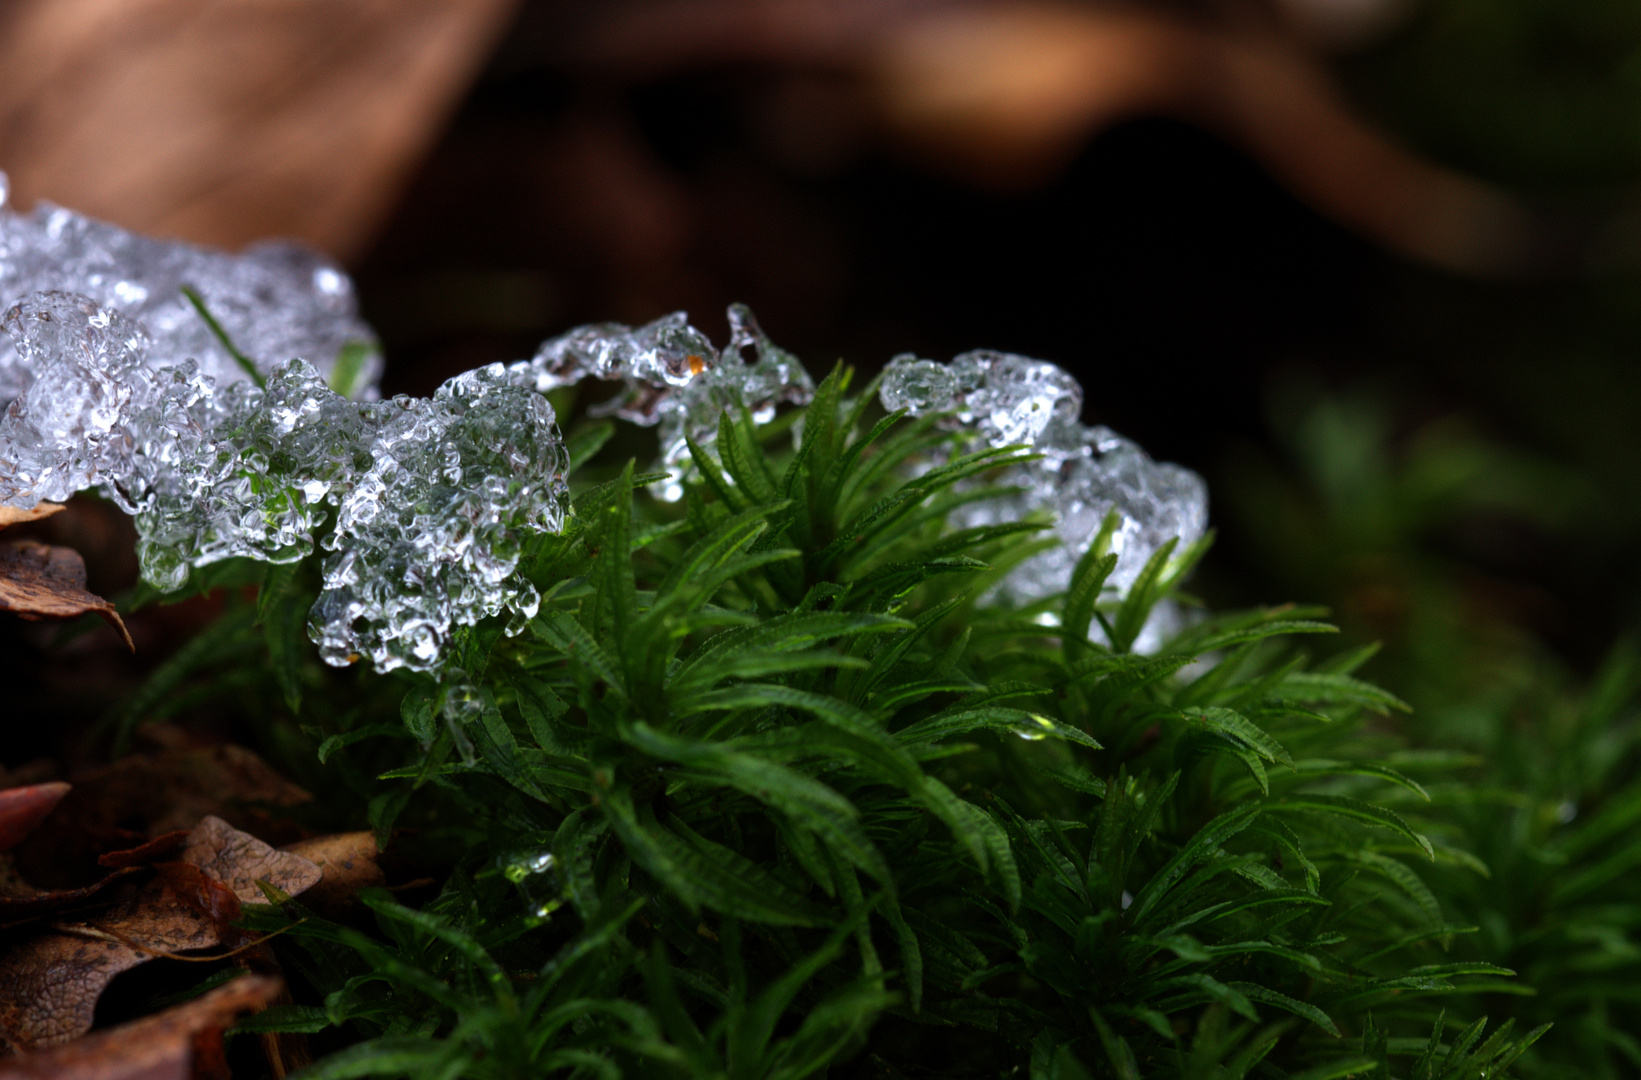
(50, 982)
(159, 1047)
(41, 581)
(155, 793)
(12, 515)
(348, 861)
(239, 860)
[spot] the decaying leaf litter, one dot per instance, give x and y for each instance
(174, 897)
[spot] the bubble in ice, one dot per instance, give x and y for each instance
(424, 506)
(672, 376)
(1082, 475)
(275, 300)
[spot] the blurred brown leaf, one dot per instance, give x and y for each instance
(23, 808)
(1005, 93)
(38, 581)
(51, 979)
(348, 862)
(12, 515)
(171, 1045)
(224, 124)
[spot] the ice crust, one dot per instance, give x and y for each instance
(672, 375)
(276, 300)
(423, 507)
(1084, 473)
(432, 498)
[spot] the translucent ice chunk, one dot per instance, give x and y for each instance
(1084, 472)
(430, 535)
(424, 504)
(276, 300)
(672, 376)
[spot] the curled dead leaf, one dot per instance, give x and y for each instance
(51, 980)
(143, 854)
(21, 904)
(14, 515)
(23, 808)
(40, 581)
(164, 1046)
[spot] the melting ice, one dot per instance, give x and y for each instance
(431, 499)
(1084, 472)
(275, 300)
(423, 506)
(672, 376)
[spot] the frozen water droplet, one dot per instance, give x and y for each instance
(463, 707)
(538, 879)
(1034, 729)
(1083, 474)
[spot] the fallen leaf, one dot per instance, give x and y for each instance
(23, 808)
(40, 581)
(164, 1046)
(51, 980)
(348, 862)
(14, 515)
(154, 793)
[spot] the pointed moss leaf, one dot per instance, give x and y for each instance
(1076, 778)
(1206, 841)
(1338, 1069)
(571, 638)
(543, 710)
(1018, 722)
(721, 485)
(1142, 596)
(1238, 728)
(1354, 809)
(1267, 996)
(1324, 767)
(703, 874)
(348, 738)
(1321, 688)
(743, 461)
(790, 632)
(1262, 632)
(729, 536)
(808, 802)
(584, 444)
(393, 1055)
(1405, 879)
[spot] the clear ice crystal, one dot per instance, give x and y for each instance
(672, 375)
(276, 300)
(1083, 474)
(428, 501)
